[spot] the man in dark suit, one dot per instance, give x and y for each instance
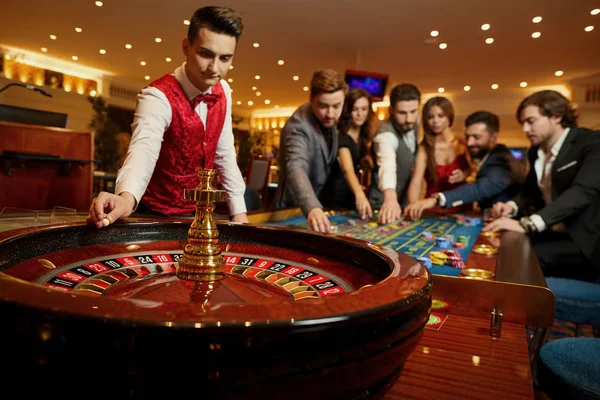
(309, 143)
(499, 174)
(559, 201)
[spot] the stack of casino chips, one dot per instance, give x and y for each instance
(446, 256)
(475, 221)
(426, 261)
(438, 257)
(461, 242)
(454, 258)
(442, 243)
(469, 221)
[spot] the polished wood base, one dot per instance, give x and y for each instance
(462, 361)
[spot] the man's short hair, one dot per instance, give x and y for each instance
(220, 20)
(551, 104)
(404, 92)
(327, 81)
(491, 120)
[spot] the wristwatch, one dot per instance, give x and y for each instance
(528, 225)
(436, 197)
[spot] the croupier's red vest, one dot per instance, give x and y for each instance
(186, 146)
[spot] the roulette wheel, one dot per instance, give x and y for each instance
(152, 308)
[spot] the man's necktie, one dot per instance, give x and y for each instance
(546, 187)
(546, 180)
(208, 98)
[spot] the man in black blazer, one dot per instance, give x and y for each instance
(499, 174)
(559, 203)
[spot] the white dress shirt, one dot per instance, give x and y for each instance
(539, 167)
(151, 119)
(386, 146)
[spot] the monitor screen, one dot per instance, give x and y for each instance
(372, 82)
(32, 117)
(520, 153)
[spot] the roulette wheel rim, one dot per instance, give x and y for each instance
(28, 289)
(374, 328)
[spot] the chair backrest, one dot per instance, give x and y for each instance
(258, 173)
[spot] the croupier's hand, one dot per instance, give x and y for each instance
(241, 217)
(108, 207)
(318, 221)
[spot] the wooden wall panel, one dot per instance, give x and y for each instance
(39, 185)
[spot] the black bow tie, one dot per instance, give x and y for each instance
(208, 98)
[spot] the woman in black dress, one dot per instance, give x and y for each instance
(343, 189)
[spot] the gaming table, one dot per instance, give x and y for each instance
(329, 315)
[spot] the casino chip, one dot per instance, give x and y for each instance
(454, 258)
(426, 261)
(475, 221)
(456, 261)
(451, 253)
(442, 243)
(463, 239)
(438, 257)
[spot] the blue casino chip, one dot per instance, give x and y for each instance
(426, 261)
(443, 243)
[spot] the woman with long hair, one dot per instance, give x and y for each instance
(442, 160)
(344, 189)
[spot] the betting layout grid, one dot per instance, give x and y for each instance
(95, 276)
(423, 239)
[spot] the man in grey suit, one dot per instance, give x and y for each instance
(395, 147)
(309, 143)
